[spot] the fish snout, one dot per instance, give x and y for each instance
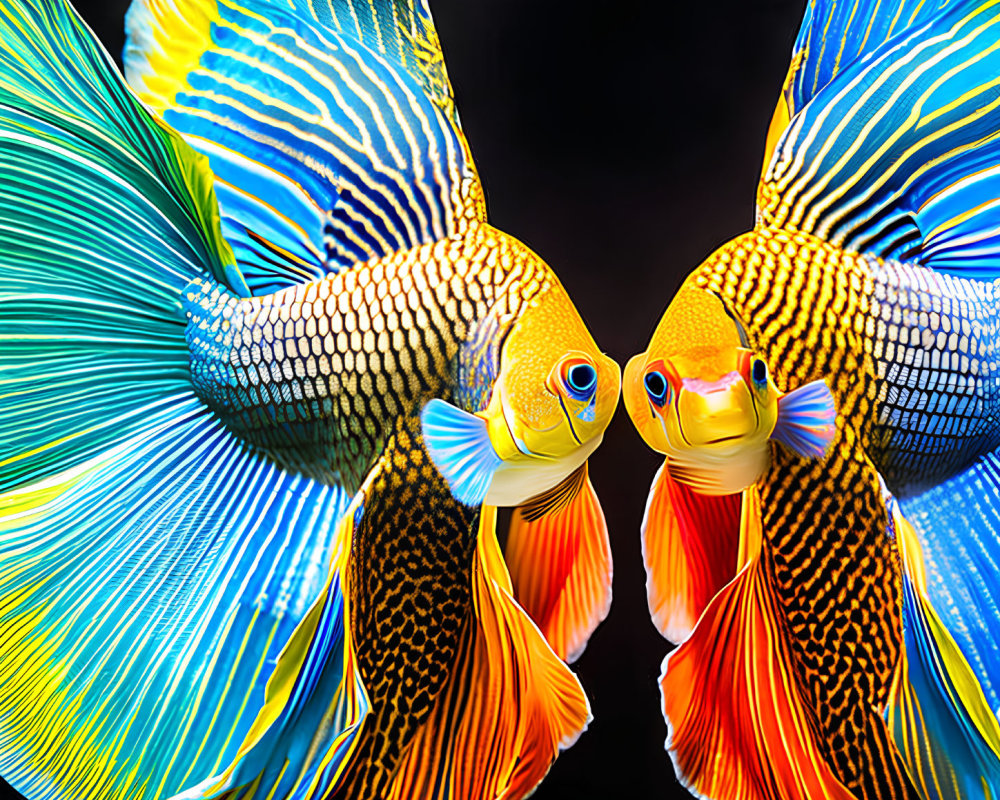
(712, 412)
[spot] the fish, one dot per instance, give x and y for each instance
(239, 301)
(820, 541)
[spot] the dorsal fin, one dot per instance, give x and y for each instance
(331, 126)
(891, 147)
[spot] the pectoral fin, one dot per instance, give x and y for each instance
(807, 420)
(560, 563)
(459, 445)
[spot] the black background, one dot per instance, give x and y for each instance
(622, 142)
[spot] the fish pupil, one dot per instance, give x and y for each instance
(582, 378)
(759, 372)
(656, 386)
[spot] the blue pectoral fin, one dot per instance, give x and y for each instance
(807, 420)
(459, 445)
(939, 715)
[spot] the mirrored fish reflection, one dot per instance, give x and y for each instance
(821, 537)
(266, 371)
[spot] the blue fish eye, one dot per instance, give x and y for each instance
(581, 380)
(759, 373)
(656, 387)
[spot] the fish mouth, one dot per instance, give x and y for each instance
(722, 439)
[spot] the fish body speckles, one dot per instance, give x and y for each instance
(313, 374)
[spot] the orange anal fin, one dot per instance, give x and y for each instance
(560, 567)
(738, 728)
(690, 545)
(509, 707)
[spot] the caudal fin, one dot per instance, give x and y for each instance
(152, 569)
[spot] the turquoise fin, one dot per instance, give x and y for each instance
(331, 126)
(105, 216)
(459, 445)
(957, 524)
(152, 569)
(891, 145)
(939, 717)
(807, 420)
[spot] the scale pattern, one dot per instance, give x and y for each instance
(833, 568)
(934, 340)
(411, 598)
(314, 375)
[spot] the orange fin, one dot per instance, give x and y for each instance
(509, 707)
(690, 545)
(738, 728)
(560, 563)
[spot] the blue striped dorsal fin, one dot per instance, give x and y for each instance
(891, 144)
(331, 126)
(834, 35)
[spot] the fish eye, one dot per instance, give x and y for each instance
(759, 373)
(656, 387)
(581, 380)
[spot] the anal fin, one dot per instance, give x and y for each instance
(509, 707)
(738, 727)
(690, 546)
(560, 563)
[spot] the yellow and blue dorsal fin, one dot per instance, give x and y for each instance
(330, 126)
(891, 143)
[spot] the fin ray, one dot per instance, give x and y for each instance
(896, 153)
(939, 717)
(560, 565)
(353, 124)
(506, 722)
(690, 546)
(459, 445)
(755, 742)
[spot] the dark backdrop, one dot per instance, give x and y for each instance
(622, 142)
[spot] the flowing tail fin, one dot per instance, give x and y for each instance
(940, 715)
(151, 568)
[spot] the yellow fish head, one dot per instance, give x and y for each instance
(553, 399)
(554, 395)
(702, 398)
